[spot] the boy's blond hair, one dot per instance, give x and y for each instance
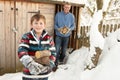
(38, 17)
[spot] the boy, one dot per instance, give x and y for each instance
(36, 51)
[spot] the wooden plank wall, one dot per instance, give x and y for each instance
(7, 52)
(104, 30)
(84, 38)
(2, 38)
(108, 28)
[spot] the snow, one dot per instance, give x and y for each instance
(107, 68)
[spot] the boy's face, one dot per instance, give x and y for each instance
(38, 26)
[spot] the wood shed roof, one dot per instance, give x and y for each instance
(57, 2)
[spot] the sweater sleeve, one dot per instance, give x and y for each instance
(23, 46)
(23, 50)
(72, 22)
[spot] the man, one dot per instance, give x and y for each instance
(64, 24)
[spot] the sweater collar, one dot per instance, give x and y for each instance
(44, 33)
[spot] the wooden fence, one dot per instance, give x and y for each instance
(104, 30)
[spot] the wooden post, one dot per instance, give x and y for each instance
(78, 28)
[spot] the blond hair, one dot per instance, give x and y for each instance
(38, 17)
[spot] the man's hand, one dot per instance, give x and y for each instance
(64, 30)
(60, 30)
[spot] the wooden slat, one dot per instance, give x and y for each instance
(111, 28)
(19, 33)
(118, 25)
(12, 39)
(103, 31)
(28, 15)
(7, 36)
(2, 39)
(22, 26)
(115, 27)
(104, 35)
(100, 28)
(106, 29)
(78, 27)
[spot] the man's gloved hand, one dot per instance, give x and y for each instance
(39, 54)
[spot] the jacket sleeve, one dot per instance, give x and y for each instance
(72, 23)
(23, 51)
(23, 46)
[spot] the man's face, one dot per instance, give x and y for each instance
(66, 8)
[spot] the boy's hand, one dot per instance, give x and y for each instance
(36, 68)
(33, 66)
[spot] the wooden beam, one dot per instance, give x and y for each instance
(56, 2)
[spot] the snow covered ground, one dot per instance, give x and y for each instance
(107, 69)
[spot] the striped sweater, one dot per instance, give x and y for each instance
(29, 44)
